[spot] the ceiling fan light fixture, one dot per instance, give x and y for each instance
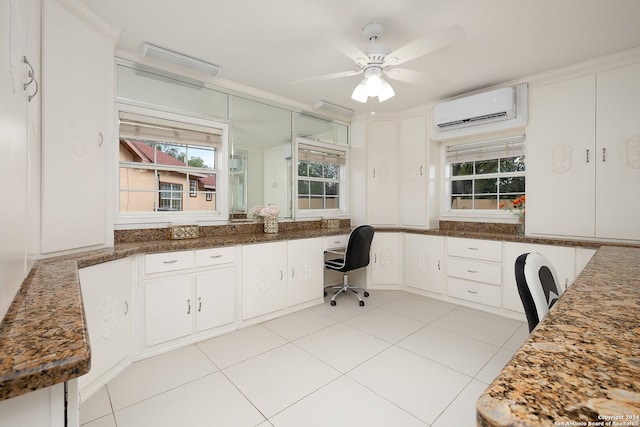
(360, 93)
(373, 85)
(386, 92)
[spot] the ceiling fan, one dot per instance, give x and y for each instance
(376, 61)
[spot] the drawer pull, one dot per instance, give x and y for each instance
(336, 241)
(438, 264)
(472, 292)
(126, 307)
(216, 256)
(199, 303)
(473, 249)
(472, 271)
(293, 273)
(188, 306)
(173, 261)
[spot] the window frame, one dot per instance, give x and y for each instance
(342, 181)
(163, 218)
(488, 215)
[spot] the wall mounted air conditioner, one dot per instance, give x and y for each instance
(496, 109)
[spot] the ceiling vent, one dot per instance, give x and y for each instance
(175, 58)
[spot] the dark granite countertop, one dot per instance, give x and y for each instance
(581, 365)
(43, 336)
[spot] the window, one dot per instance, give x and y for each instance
(320, 177)
(482, 175)
(170, 165)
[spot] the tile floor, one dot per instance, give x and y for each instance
(402, 360)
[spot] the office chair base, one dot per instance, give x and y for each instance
(341, 289)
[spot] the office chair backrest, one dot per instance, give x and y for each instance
(537, 285)
(357, 253)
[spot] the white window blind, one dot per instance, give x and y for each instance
(311, 153)
(135, 126)
(484, 150)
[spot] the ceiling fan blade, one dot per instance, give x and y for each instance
(410, 76)
(424, 45)
(344, 45)
(328, 76)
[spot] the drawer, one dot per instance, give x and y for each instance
(215, 256)
(475, 292)
(478, 271)
(168, 261)
(488, 250)
(336, 242)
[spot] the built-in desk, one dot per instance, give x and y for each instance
(581, 364)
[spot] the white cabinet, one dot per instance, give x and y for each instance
(413, 171)
(618, 153)
(305, 270)
(283, 274)
(382, 169)
(582, 156)
(474, 270)
(106, 293)
(77, 104)
(386, 259)
(264, 278)
(562, 258)
(187, 292)
(167, 309)
(424, 262)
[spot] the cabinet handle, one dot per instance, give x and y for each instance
(173, 261)
(473, 249)
(374, 172)
(293, 273)
(587, 155)
(216, 256)
(100, 139)
(199, 303)
(32, 79)
(472, 271)
(472, 292)
(438, 264)
(188, 306)
(420, 170)
(375, 258)
(281, 275)
(126, 307)
(604, 154)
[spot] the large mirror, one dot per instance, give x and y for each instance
(260, 163)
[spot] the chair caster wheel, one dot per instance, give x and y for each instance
(325, 293)
(333, 303)
(366, 294)
(361, 303)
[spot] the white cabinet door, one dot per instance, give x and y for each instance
(618, 153)
(77, 99)
(168, 305)
(561, 257)
(413, 145)
(424, 262)
(382, 180)
(386, 259)
(215, 298)
(560, 159)
(106, 293)
(305, 270)
(264, 278)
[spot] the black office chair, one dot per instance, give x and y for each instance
(355, 256)
(537, 286)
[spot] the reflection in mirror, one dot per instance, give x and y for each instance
(320, 129)
(261, 137)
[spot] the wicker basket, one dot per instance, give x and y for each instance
(271, 224)
(330, 223)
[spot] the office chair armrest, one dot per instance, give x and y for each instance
(334, 252)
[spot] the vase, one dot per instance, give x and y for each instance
(521, 229)
(271, 224)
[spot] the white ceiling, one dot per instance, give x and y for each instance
(266, 44)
